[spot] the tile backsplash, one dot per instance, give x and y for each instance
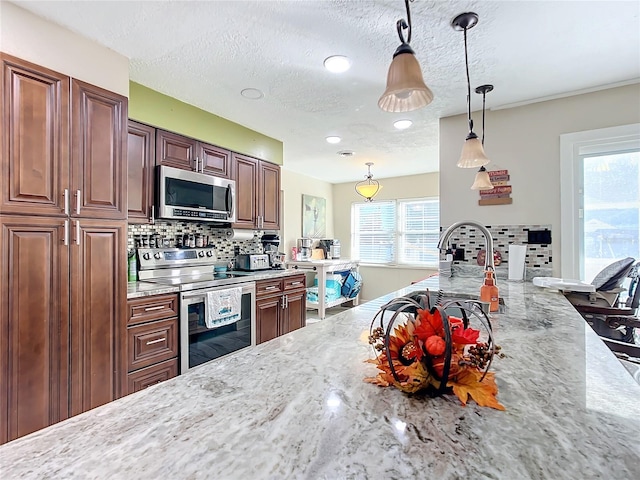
(217, 237)
(471, 240)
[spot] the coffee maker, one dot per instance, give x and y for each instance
(331, 247)
(271, 244)
(304, 247)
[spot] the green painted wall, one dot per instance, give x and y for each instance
(154, 108)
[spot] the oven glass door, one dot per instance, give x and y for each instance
(200, 344)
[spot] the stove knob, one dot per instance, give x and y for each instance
(146, 256)
(157, 256)
(201, 253)
(209, 253)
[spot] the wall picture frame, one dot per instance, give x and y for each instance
(314, 216)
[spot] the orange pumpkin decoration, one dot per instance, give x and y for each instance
(435, 345)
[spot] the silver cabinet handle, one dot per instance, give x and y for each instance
(149, 309)
(295, 283)
(78, 201)
(66, 201)
(153, 214)
(270, 287)
(65, 240)
(287, 303)
(77, 232)
(282, 305)
(151, 342)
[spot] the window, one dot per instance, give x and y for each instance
(396, 232)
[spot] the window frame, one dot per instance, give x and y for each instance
(400, 233)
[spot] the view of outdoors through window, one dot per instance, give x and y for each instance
(611, 210)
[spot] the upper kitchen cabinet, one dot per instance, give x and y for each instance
(141, 150)
(41, 173)
(99, 139)
(257, 193)
(34, 143)
(186, 153)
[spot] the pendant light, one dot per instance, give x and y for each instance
(368, 187)
(483, 181)
(406, 90)
(472, 152)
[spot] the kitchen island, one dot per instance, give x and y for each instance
(297, 407)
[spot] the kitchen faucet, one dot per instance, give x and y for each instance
(488, 240)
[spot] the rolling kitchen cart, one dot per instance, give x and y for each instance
(322, 268)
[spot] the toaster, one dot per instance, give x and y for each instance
(252, 261)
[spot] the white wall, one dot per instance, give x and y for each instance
(381, 280)
(293, 187)
(36, 40)
(526, 141)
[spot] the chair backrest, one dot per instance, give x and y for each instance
(612, 275)
(633, 301)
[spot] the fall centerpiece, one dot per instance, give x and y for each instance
(420, 347)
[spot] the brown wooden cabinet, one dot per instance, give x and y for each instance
(98, 153)
(42, 175)
(141, 148)
(186, 153)
(98, 307)
(63, 245)
(34, 139)
(257, 193)
(152, 341)
(34, 324)
(280, 306)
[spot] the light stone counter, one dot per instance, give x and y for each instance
(296, 408)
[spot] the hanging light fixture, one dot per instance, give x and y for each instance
(368, 187)
(483, 181)
(406, 90)
(472, 152)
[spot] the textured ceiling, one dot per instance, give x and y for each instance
(206, 52)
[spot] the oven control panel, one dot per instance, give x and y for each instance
(152, 258)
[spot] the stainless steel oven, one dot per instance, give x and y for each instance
(199, 342)
(210, 328)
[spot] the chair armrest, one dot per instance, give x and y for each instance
(604, 310)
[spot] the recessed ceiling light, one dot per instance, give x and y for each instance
(402, 124)
(337, 63)
(333, 139)
(252, 93)
(346, 153)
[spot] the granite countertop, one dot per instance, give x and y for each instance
(145, 289)
(296, 407)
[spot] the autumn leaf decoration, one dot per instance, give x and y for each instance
(412, 356)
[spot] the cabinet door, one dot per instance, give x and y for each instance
(214, 160)
(98, 154)
(268, 317)
(34, 324)
(141, 155)
(269, 196)
(245, 172)
(98, 312)
(175, 150)
(34, 138)
(295, 311)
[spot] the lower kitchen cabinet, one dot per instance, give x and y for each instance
(152, 341)
(280, 306)
(63, 289)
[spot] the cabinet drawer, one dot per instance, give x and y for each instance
(294, 282)
(268, 287)
(152, 343)
(156, 307)
(151, 375)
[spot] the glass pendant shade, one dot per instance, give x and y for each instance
(369, 190)
(406, 90)
(368, 187)
(482, 181)
(472, 153)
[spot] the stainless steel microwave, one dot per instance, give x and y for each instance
(186, 195)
